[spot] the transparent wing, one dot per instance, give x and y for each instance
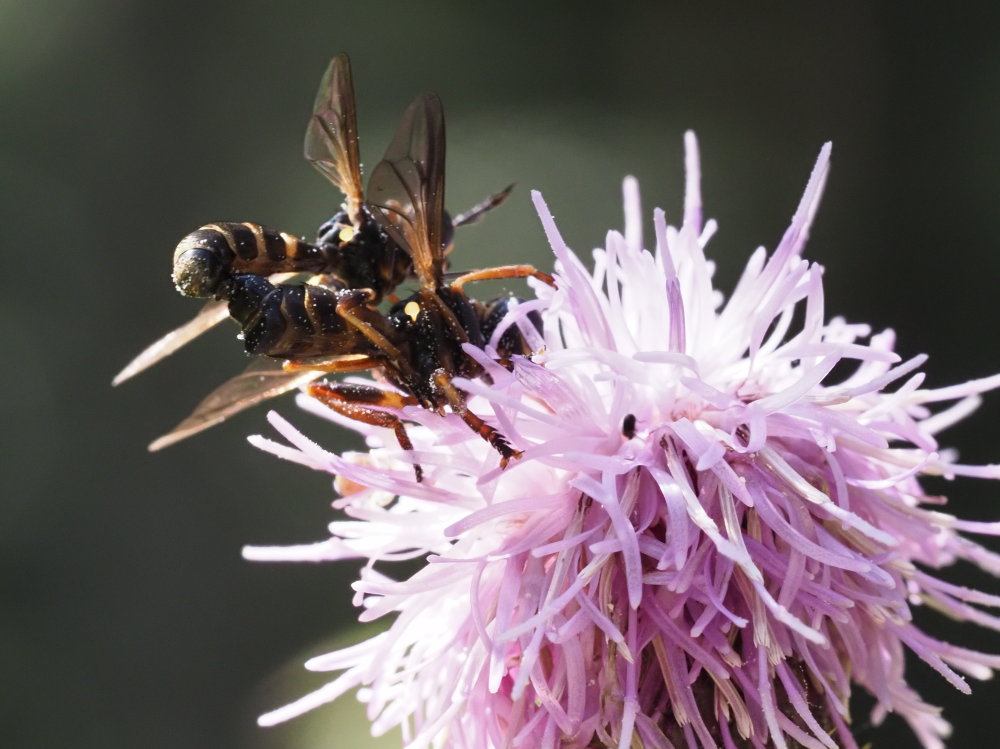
(210, 315)
(332, 135)
(262, 380)
(406, 188)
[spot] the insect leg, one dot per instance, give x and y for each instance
(352, 305)
(502, 271)
(456, 399)
(344, 363)
(356, 401)
(475, 213)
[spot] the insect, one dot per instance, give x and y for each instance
(419, 343)
(351, 246)
(333, 324)
(628, 426)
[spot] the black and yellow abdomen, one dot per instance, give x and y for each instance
(291, 321)
(208, 256)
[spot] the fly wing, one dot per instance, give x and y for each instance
(210, 315)
(207, 318)
(406, 188)
(262, 380)
(332, 135)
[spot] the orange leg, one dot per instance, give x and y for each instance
(502, 271)
(456, 400)
(344, 363)
(352, 305)
(356, 401)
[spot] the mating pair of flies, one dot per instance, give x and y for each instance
(395, 232)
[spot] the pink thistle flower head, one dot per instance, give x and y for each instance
(711, 537)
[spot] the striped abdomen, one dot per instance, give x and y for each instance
(211, 254)
(291, 321)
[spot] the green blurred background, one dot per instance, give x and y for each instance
(129, 618)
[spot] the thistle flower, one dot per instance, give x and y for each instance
(710, 540)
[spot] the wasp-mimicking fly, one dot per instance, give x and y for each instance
(396, 231)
